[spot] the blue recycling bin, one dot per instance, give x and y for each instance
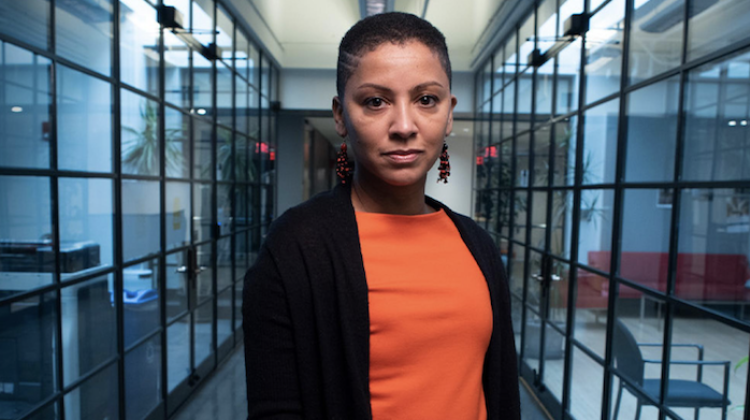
(140, 313)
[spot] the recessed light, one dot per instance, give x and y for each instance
(16, 109)
(201, 111)
(466, 130)
(743, 123)
(732, 123)
(453, 134)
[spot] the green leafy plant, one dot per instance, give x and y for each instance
(141, 151)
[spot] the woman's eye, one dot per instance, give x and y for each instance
(427, 100)
(374, 102)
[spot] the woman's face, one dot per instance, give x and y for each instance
(397, 110)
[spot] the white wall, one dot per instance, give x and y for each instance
(456, 194)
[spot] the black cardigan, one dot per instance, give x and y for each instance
(306, 318)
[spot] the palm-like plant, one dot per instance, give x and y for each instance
(141, 152)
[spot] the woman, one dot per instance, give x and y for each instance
(374, 301)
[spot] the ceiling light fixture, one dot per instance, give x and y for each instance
(16, 109)
(733, 123)
(374, 7)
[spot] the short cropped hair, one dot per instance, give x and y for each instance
(394, 27)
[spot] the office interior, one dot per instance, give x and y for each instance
(146, 146)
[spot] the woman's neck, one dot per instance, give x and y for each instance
(378, 197)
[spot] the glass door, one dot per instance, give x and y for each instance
(190, 314)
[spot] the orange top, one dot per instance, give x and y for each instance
(430, 318)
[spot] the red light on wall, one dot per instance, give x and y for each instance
(273, 155)
(480, 160)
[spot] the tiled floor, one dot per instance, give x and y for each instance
(222, 397)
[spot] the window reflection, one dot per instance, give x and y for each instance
(27, 260)
(655, 38)
(715, 24)
(143, 383)
(84, 33)
(568, 70)
(141, 148)
(140, 218)
(140, 298)
(24, 108)
(84, 122)
(604, 51)
(600, 143)
(28, 21)
(176, 67)
(95, 398)
(139, 40)
(595, 228)
(178, 214)
(177, 153)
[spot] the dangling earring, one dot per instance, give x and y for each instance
(445, 166)
(343, 168)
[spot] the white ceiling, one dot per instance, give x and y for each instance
(306, 33)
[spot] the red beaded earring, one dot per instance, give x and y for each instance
(343, 168)
(445, 166)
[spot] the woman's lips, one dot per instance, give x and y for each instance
(403, 156)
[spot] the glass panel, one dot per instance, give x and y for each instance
(526, 41)
(241, 105)
(492, 211)
(487, 80)
(89, 329)
(725, 350)
(241, 59)
(224, 155)
(519, 215)
(715, 24)
(515, 308)
(565, 152)
(254, 112)
(224, 96)
(178, 352)
(204, 279)
(558, 294)
(655, 39)
(516, 270)
(541, 156)
(504, 216)
(600, 143)
(592, 300)
(141, 149)
(511, 58)
(562, 222)
(202, 134)
(241, 255)
(141, 312)
(50, 412)
(264, 76)
(238, 305)
(28, 331)
(523, 150)
(224, 263)
(84, 33)
(546, 25)
(24, 106)
(224, 317)
(84, 122)
(28, 21)
(176, 71)
(95, 398)
(224, 34)
(139, 40)
(267, 206)
(554, 361)
(241, 214)
(509, 106)
(534, 280)
(532, 339)
(86, 220)
(496, 117)
(497, 75)
(604, 51)
(143, 379)
(27, 260)
(638, 335)
(595, 228)
(177, 284)
(717, 106)
(242, 158)
(481, 205)
(568, 69)
(202, 212)
(202, 84)
(204, 329)
(712, 259)
(178, 214)
(177, 143)
(203, 20)
(645, 237)
(586, 387)
(544, 91)
(140, 218)
(253, 64)
(525, 93)
(539, 220)
(652, 132)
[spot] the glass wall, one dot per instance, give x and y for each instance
(136, 179)
(613, 170)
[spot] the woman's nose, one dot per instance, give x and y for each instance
(403, 126)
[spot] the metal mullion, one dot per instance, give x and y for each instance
(139, 92)
(172, 179)
(93, 372)
(118, 280)
(143, 339)
(43, 405)
(162, 270)
(138, 177)
(214, 193)
(90, 276)
(710, 313)
(590, 353)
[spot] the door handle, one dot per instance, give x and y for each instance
(200, 269)
(538, 277)
(182, 269)
(555, 277)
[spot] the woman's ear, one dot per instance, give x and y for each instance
(338, 116)
(449, 126)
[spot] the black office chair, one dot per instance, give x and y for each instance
(680, 392)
